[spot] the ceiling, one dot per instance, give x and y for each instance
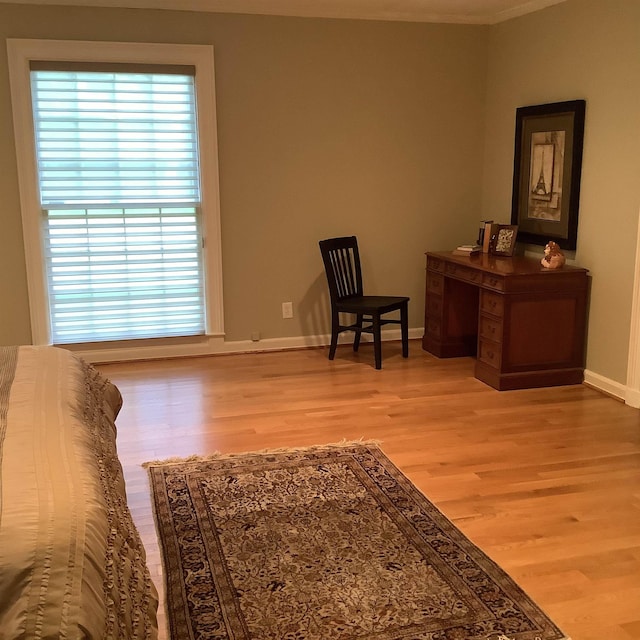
(452, 11)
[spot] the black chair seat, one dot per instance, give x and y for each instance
(344, 277)
(372, 304)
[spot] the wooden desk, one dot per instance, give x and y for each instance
(524, 323)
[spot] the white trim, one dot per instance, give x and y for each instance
(20, 53)
(405, 11)
(213, 345)
(210, 188)
(27, 180)
(521, 10)
(632, 397)
(606, 385)
(216, 345)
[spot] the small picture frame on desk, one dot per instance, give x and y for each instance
(503, 240)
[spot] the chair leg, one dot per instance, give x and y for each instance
(356, 340)
(335, 322)
(404, 328)
(377, 341)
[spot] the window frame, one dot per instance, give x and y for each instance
(20, 54)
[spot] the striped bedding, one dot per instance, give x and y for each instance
(71, 561)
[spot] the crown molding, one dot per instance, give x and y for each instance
(471, 12)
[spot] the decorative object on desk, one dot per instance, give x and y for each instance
(481, 231)
(327, 542)
(546, 171)
(490, 228)
(553, 257)
(503, 240)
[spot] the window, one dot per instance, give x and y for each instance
(115, 190)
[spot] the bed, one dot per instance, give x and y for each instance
(71, 561)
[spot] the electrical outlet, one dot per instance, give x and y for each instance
(287, 309)
(255, 336)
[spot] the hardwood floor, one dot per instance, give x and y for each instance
(545, 481)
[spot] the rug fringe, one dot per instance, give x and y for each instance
(217, 455)
(503, 637)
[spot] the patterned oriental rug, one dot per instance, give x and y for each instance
(326, 543)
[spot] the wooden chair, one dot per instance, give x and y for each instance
(344, 276)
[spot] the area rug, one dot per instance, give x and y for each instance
(326, 543)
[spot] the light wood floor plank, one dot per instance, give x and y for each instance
(545, 481)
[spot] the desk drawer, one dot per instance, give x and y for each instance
(435, 283)
(434, 305)
(461, 272)
(490, 328)
(490, 353)
(492, 303)
(493, 282)
(435, 264)
(434, 328)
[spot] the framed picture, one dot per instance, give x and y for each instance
(505, 240)
(546, 172)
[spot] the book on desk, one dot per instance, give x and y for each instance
(467, 250)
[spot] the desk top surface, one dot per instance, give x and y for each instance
(503, 265)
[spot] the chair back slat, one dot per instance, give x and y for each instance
(342, 267)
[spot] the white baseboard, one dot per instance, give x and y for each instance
(606, 385)
(632, 398)
(214, 345)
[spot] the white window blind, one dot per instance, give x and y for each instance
(119, 189)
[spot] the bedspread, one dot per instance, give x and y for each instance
(71, 561)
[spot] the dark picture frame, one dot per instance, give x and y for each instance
(505, 239)
(547, 168)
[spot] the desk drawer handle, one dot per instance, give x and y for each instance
(492, 304)
(490, 356)
(434, 283)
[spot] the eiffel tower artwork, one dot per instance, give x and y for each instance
(543, 157)
(541, 188)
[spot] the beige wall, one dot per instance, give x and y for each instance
(399, 133)
(586, 49)
(326, 127)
